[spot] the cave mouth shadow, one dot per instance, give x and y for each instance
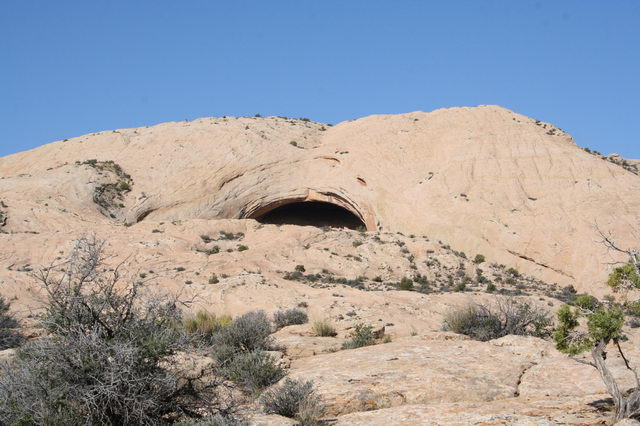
(312, 213)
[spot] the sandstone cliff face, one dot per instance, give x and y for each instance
(483, 179)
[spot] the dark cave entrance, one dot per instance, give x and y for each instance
(312, 213)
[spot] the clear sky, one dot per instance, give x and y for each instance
(73, 67)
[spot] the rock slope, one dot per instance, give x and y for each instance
(178, 203)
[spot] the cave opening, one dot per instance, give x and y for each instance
(312, 213)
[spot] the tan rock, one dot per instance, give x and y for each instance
(413, 370)
(512, 411)
(483, 179)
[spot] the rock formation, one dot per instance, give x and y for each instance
(210, 207)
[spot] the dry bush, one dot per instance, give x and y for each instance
(295, 399)
(290, 317)
(253, 371)
(109, 357)
(203, 326)
(324, 328)
(507, 316)
(246, 333)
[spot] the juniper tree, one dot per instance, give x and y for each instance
(605, 321)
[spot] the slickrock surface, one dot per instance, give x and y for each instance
(483, 179)
(177, 203)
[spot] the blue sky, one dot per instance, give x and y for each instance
(74, 67)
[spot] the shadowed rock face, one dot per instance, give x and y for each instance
(312, 214)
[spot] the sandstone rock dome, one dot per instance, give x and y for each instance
(209, 208)
(483, 179)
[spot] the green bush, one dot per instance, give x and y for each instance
(323, 328)
(295, 399)
(290, 317)
(406, 284)
(461, 286)
(586, 301)
(633, 308)
(478, 259)
(624, 277)
(513, 272)
(253, 370)
(362, 335)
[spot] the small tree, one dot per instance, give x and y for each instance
(605, 321)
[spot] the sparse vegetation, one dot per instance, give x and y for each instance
(406, 284)
(246, 333)
(295, 399)
(361, 335)
(605, 321)
(290, 317)
(203, 325)
(478, 259)
(253, 370)
(324, 328)
(109, 195)
(508, 316)
(108, 358)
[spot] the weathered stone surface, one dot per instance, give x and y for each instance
(483, 179)
(271, 420)
(512, 411)
(413, 370)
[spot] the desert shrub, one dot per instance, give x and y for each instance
(217, 420)
(10, 337)
(586, 301)
(294, 276)
(203, 325)
(461, 286)
(509, 316)
(109, 357)
(246, 333)
(295, 399)
(624, 278)
(253, 370)
(290, 317)
(362, 335)
(633, 308)
(406, 284)
(323, 328)
(513, 272)
(478, 259)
